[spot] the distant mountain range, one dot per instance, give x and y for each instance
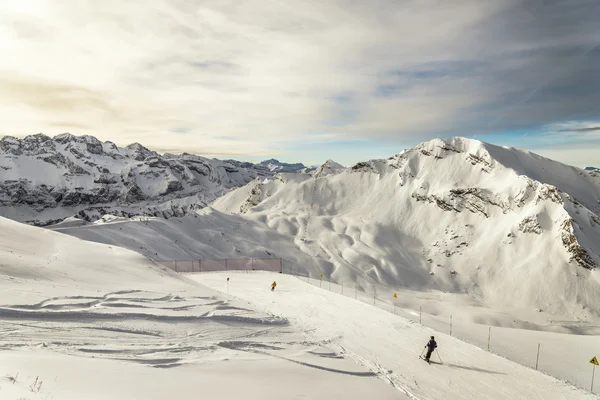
(277, 166)
(44, 180)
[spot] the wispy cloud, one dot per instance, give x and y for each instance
(188, 75)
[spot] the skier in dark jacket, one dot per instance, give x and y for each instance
(431, 346)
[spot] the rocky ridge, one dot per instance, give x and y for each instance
(44, 180)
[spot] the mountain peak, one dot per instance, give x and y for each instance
(327, 168)
(135, 146)
(38, 137)
(270, 161)
(141, 151)
(65, 138)
(275, 165)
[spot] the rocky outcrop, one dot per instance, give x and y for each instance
(530, 225)
(578, 254)
(253, 200)
(472, 199)
(363, 166)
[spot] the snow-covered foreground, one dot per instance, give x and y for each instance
(389, 345)
(94, 321)
(213, 234)
(81, 320)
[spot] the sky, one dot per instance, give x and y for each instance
(305, 81)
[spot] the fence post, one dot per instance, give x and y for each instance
(374, 294)
(537, 360)
(176, 267)
(450, 325)
(281, 265)
(420, 312)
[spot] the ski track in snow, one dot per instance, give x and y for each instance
(389, 346)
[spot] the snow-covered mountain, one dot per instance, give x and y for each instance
(278, 166)
(44, 180)
(456, 214)
(506, 227)
(327, 168)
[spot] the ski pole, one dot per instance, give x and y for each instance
(421, 356)
(438, 354)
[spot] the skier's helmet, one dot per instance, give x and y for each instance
(432, 337)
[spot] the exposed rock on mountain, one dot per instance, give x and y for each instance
(44, 180)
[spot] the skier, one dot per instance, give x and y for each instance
(273, 286)
(431, 346)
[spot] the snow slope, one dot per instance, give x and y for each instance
(44, 180)
(86, 320)
(95, 321)
(389, 345)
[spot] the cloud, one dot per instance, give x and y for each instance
(270, 74)
(582, 132)
(576, 127)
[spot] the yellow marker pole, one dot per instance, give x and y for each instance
(594, 362)
(395, 297)
(321, 280)
(537, 360)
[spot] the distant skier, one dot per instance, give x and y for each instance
(273, 286)
(431, 346)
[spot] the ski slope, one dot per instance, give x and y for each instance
(82, 320)
(96, 321)
(389, 345)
